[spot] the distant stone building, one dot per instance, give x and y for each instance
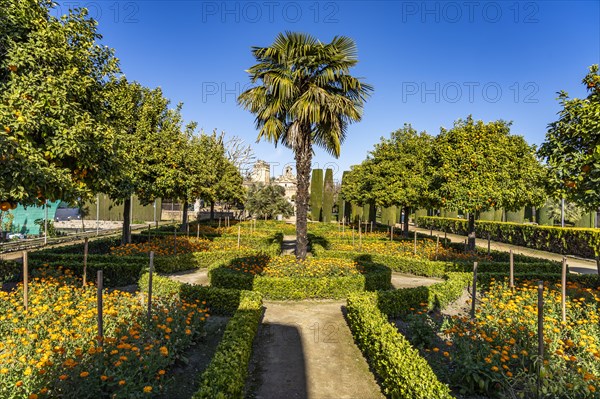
(261, 173)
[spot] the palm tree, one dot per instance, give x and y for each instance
(304, 95)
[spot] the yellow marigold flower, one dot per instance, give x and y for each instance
(33, 396)
(161, 372)
(63, 377)
(494, 368)
(147, 389)
(122, 382)
(19, 383)
(84, 374)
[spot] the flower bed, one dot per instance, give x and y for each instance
(287, 278)
(51, 350)
(497, 353)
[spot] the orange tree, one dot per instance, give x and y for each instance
(305, 95)
(572, 147)
(476, 166)
(55, 142)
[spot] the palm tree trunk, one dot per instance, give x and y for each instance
(126, 235)
(184, 216)
(303, 156)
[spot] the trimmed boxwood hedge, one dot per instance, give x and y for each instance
(125, 270)
(376, 277)
(225, 376)
(573, 241)
(220, 301)
(431, 268)
(402, 371)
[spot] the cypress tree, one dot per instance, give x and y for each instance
(328, 196)
(316, 194)
(342, 205)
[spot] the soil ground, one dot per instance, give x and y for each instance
(197, 277)
(184, 377)
(402, 280)
(305, 350)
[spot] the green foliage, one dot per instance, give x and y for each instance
(328, 196)
(295, 287)
(572, 241)
(402, 371)
(303, 94)
(437, 296)
(219, 301)
(267, 201)
(571, 147)
(316, 195)
(226, 374)
(55, 142)
(476, 166)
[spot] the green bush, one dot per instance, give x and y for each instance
(402, 371)
(10, 271)
(220, 301)
(375, 277)
(225, 376)
(574, 241)
(437, 296)
(316, 195)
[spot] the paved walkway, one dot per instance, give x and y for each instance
(305, 349)
(576, 265)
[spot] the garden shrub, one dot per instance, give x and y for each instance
(402, 371)
(437, 296)
(286, 282)
(220, 301)
(574, 241)
(225, 376)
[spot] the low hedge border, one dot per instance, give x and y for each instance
(437, 296)
(125, 270)
(376, 277)
(225, 376)
(223, 302)
(573, 241)
(431, 268)
(402, 371)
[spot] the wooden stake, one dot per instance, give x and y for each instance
(415, 250)
(187, 229)
(540, 332)
(392, 235)
(437, 245)
(239, 234)
(175, 240)
(25, 280)
(563, 302)
(511, 275)
(150, 271)
(474, 294)
(352, 238)
(85, 256)
(198, 230)
(445, 238)
(149, 234)
(489, 238)
(371, 226)
(219, 221)
(466, 240)
(100, 316)
(360, 237)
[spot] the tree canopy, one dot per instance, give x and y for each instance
(572, 146)
(55, 142)
(305, 95)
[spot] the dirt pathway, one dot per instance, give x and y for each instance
(306, 350)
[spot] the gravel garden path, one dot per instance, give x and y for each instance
(304, 349)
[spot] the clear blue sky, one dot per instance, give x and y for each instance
(430, 62)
